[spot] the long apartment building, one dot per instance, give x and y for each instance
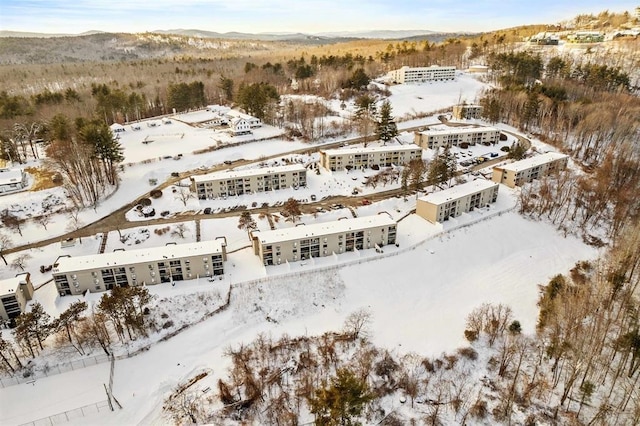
(354, 158)
(323, 239)
(466, 112)
(452, 202)
(409, 75)
(439, 138)
(174, 262)
(524, 171)
(238, 182)
(14, 294)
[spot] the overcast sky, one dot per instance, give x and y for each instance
(308, 16)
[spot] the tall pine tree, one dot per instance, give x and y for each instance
(386, 127)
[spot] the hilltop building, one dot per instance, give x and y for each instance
(366, 157)
(323, 239)
(585, 37)
(412, 75)
(238, 182)
(524, 171)
(452, 202)
(175, 262)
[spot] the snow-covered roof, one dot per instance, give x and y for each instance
(121, 258)
(371, 149)
(533, 161)
(238, 114)
(10, 285)
(458, 130)
(236, 120)
(325, 228)
(8, 176)
(458, 191)
(249, 172)
(431, 67)
(117, 126)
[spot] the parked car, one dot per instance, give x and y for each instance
(207, 210)
(313, 197)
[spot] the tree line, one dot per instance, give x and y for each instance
(120, 315)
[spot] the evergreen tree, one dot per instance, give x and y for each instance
(226, 85)
(358, 80)
(365, 115)
(442, 167)
(256, 98)
(68, 320)
(33, 324)
(517, 151)
(386, 127)
(107, 150)
(341, 401)
(416, 171)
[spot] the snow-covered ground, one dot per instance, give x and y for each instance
(419, 293)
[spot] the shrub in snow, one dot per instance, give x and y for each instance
(145, 202)
(156, 193)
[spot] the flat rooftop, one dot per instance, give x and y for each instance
(528, 163)
(372, 149)
(8, 176)
(10, 285)
(326, 228)
(234, 174)
(122, 258)
(430, 67)
(458, 131)
(458, 191)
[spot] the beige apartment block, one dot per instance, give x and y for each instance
(238, 182)
(467, 112)
(454, 136)
(324, 239)
(173, 262)
(452, 202)
(14, 294)
(524, 171)
(360, 158)
(409, 75)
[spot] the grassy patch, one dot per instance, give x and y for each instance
(43, 178)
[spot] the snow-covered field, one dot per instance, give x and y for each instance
(419, 293)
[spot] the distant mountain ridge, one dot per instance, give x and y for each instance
(266, 36)
(25, 34)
